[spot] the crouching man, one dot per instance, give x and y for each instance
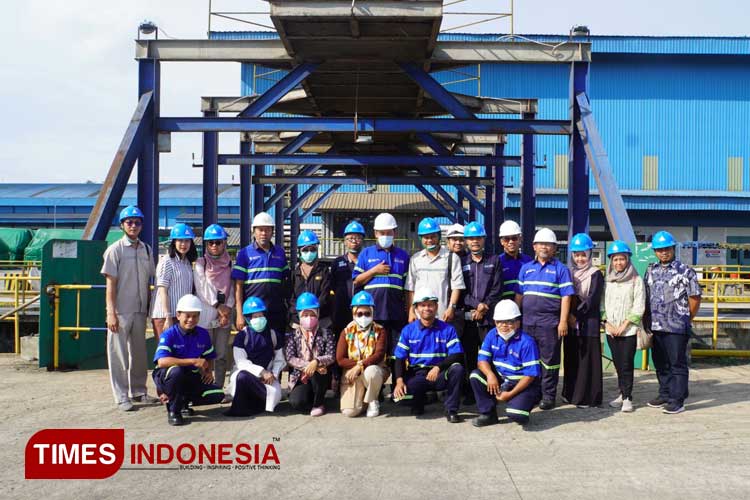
(508, 369)
(184, 360)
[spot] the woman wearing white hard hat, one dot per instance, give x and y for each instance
(508, 369)
(546, 291)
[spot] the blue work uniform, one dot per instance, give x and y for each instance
(668, 288)
(183, 384)
(425, 347)
(265, 275)
(387, 290)
(543, 286)
(341, 284)
(511, 268)
(511, 360)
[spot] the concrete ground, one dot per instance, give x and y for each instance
(564, 453)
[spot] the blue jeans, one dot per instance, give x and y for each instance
(670, 358)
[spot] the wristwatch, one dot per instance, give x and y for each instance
(454, 306)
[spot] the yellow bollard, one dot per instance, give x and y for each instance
(715, 339)
(16, 321)
(56, 330)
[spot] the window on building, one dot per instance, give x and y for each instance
(650, 173)
(734, 173)
(561, 171)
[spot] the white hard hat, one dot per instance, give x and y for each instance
(189, 303)
(263, 219)
(506, 310)
(385, 221)
(423, 294)
(455, 230)
(509, 228)
(545, 235)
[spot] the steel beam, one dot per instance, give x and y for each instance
(293, 223)
(210, 175)
(270, 53)
(245, 199)
(365, 160)
(438, 93)
(365, 125)
(296, 200)
(528, 193)
(278, 215)
(462, 53)
(278, 90)
(489, 216)
(380, 180)
(290, 148)
(319, 201)
(609, 194)
(110, 194)
(473, 190)
(149, 76)
(439, 206)
(578, 167)
(277, 195)
(499, 204)
(445, 195)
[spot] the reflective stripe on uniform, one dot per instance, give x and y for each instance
(209, 351)
(402, 346)
(451, 342)
(517, 412)
(263, 280)
(478, 377)
(542, 294)
(164, 348)
(485, 353)
(544, 283)
(549, 367)
(212, 391)
(368, 287)
(429, 355)
(506, 365)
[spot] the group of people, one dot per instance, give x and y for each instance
(483, 327)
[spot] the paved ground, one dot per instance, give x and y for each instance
(565, 453)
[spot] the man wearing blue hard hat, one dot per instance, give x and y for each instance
(311, 275)
(128, 268)
(341, 274)
(673, 297)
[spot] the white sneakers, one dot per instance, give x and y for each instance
(373, 409)
(616, 403)
(625, 404)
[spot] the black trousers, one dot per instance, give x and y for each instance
(582, 378)
(670, 358)
(623, 352)
(311, 394)
(549, 356)
(473, 336)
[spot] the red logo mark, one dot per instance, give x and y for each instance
(75, 453)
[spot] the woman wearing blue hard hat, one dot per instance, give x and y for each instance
(213, 286)
(310, 350)
(258, 360)
(311, 275)
(673, 297)
(622, 312)
(582, 380)
(360, 353)
(174, 277)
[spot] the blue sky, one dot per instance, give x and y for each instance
(69, 80)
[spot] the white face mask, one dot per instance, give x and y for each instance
(363, 322)
(506, 336)
(385, 241)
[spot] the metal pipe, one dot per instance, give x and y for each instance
(56, 330)
(729, 353)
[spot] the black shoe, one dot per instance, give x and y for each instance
(673, 408)
(485, 419)
(187, 412)
(417, 410)
(547, 404)
(453, 417)
(175, 419)
(657, 402)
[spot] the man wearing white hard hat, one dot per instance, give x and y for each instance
(184, 362)
(381, 270)
(261, 270)
(508, 369)
(512, 259)
(546, 289)
(456, 243)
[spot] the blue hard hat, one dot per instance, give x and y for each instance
(580, 242)
(307, 301)
(474, 230)
(354, 227)
(618, 246)
(307, 238)
(363, 299)
(214, 232)
(130, 211)
(181, 231)
(428, 225)
(253, 305)
(662, 239)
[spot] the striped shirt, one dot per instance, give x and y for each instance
(265, 275)
(176, 275)
(386, 289)
(543, 286)
(427, 346)
(514, 358)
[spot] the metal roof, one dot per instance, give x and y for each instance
(373, 202)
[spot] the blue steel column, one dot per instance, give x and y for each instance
(489, 212)
(528, 190)
(460, 215)
(148, 161)
(499, 204)
(472, 190)
(279, 216)
(578, 169)
(245, 198)
(294, 224)
(695, 247)
(210, 174)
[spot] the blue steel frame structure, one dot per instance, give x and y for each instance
(585, 150)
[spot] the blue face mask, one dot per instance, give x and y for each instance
(258, 324)
(308, 257)
(430, 247)
(385, 241)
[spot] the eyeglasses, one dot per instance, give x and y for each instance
(509, 238)
(132, 222)
(364, 314)
(215, 243)
(504, 322)
(354, 239)
(308, 249)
